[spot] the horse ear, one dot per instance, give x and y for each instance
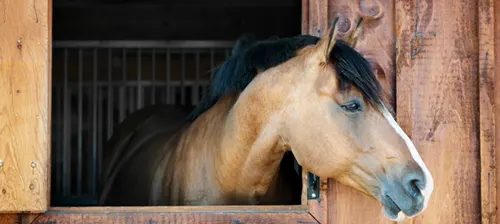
(325, 45)
(353, 38)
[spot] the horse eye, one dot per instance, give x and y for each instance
(351, 107)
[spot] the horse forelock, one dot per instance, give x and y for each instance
(354, 70)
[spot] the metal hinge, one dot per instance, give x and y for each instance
(313, 185)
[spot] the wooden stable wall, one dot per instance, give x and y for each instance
(438, 101)
(25, 37)
(437, 57)
(441, 72)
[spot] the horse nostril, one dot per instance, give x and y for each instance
(414, 184)
(414, 190)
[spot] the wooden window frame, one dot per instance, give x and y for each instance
(310, 211)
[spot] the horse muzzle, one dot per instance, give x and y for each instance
(403, 195)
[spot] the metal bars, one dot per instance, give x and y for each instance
(99, 83)
(80, 123)
(94, 124)
(66, 158)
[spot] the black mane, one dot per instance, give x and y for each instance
(353, 68)
(250, 55)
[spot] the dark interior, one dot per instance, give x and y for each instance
(87, 92)
(174, 19)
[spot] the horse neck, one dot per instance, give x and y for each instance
(238, 140)
(251, 149)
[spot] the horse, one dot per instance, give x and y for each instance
(151, 121)
(323, 104)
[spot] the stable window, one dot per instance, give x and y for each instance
(112, 58)
(109, 59)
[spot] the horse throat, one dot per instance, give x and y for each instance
(250, 153)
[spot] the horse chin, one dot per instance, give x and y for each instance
(400, 216)
(391, 210)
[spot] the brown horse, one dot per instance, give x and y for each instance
(324, 105)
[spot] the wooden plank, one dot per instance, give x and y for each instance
(347, 205)
(317, 19)
(305, 16)
(160, 217)
(49, 94)
(24, 105)
(10, 218)
(496, 61)
(437, 101)
(13, 218)
(487, 107)
(29, 217)
(376, 43)
(176, 209)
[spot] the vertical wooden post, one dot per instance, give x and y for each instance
(438, 101)
(487, 107)
(24, 104)
(494, 205)
(376, 43)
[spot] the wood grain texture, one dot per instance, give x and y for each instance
(185, 209)
(376, 43)
(181, 214)
(49, 94)
(24, 105)
(437, 101)
(188, 218)
(346, 205)
(315, 21)
(10, 218)
(496, 60)
(29, 217)
(487, 108)
(13, 218)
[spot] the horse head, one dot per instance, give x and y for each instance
(333, 119)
